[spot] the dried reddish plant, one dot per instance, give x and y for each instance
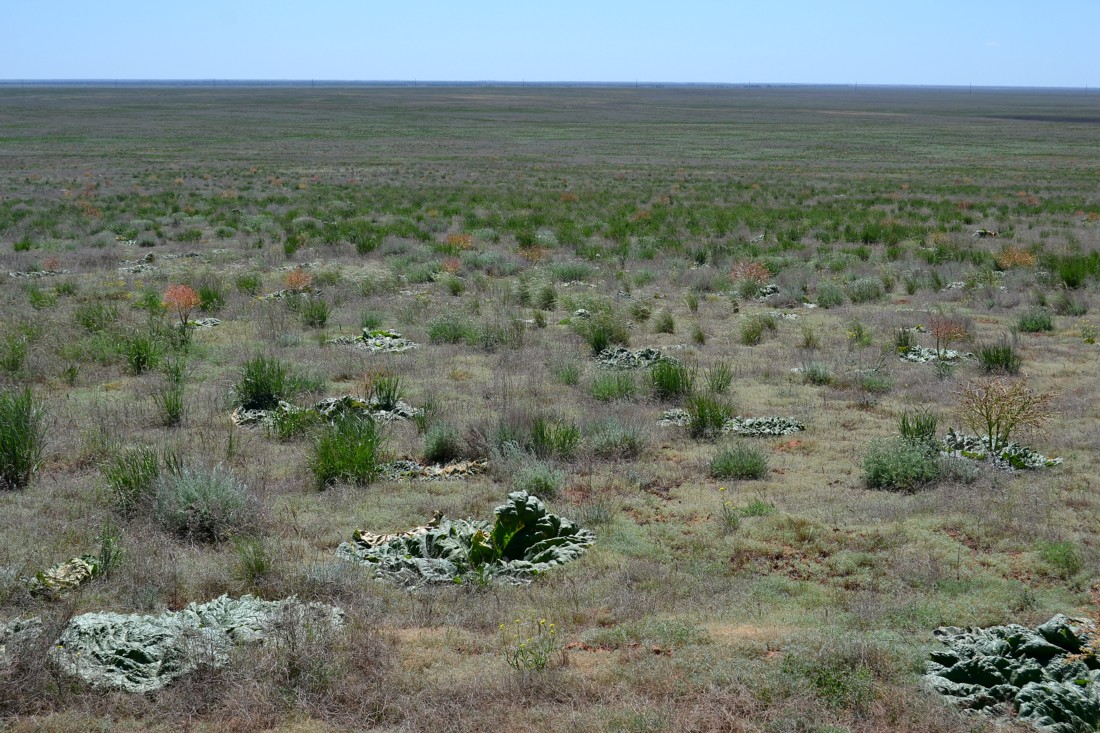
(452, 265)
(51, 263)
(1015, 257)
(460, 241)
(947, 330)
(181, 299)
(750, 271)
(298, 280)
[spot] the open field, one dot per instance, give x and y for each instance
(477, 223)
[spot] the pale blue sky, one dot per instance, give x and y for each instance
(983, 42)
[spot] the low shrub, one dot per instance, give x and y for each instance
(449, 329)
(349, 450)
(829, 295)
(204, 505)
(612, 439)
(739, 461)
(865, 290)
(22, 437)
(899, 465)
(249, 284)
(818, 374)
(665, 322)
(919, 429)
(142, 351)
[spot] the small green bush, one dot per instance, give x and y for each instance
(865, 290)
(22, 437)
(898, 465)
(754, 327)
(386, 391)
(371, 320)
(640, 312)
(1034, 320)
(287, 425)
(349, 450)
(739, 461)
(818, 374)
(566, 371)
(204, 505)
(876, 381)
(601, 330)
(211, 298)
(919, 429)
(1000, 357)
(671, 380)
(614, 386)
(249, 284)
(1063, 557)
(829, 295)
(13, 352)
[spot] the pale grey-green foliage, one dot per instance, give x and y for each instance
(524, 541)
(143, 653)
(1041, 673)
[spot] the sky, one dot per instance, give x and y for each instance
(959, 42)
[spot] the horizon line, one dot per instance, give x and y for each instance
(209, 82)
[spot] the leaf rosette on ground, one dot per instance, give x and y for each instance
(524, 541)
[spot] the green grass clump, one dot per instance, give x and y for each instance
(612, 438)
(665, 322)
(554, 437)
(671, 380)
(1000, 357)
(13, 352)
(602, 329)
(614, 386)
(919, 429)
(442, 443)
(142, 351)
(287, 425)
(449, 329)
(263, 382)
(899, 465)
(131, 475)
(707, 415)
(96, 316)
(386, 391)
(739, 461)
(1063, 557)
(314, 312)
(22, 437)
(754, 327)
(1035, 320)
(719, 377)
(539, 479)
(204, 505)
(249, 284)
(349, 451)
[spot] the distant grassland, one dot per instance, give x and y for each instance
(752, 584)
